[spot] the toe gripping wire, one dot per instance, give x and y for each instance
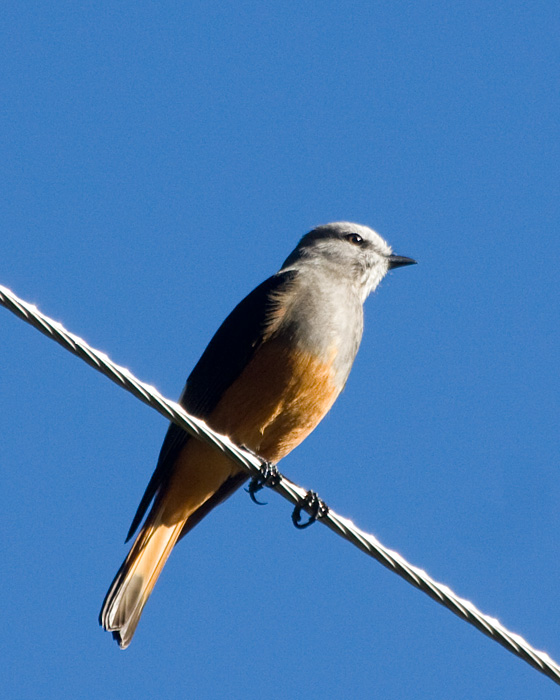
(310, 503)
(270, 476)
(313, 506)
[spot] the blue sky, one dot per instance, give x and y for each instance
(158, 161)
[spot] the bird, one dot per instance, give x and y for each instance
(267, 378)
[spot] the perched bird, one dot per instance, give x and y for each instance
(267, 378)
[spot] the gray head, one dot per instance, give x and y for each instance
(351, 251)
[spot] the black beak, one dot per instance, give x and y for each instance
(399, 261)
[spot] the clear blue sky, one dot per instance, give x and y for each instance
(160, 159)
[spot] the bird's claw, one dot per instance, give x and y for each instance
(313, 505)
(270, 476)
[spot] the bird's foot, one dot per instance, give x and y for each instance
(313, 506)
(270, 476)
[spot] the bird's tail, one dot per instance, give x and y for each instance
(136, 578)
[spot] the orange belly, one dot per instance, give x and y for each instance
(277, 401)
(274, 404)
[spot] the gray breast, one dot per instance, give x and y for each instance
(324, 315)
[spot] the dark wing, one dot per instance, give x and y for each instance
(225, 357)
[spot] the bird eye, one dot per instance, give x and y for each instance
(354, 238)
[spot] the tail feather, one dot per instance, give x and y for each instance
(136, 578)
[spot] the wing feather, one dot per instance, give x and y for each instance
(225, 357)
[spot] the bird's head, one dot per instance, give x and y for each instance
(350, 251)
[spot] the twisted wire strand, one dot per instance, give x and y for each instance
(343, 527)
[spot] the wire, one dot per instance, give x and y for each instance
(292, 492)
